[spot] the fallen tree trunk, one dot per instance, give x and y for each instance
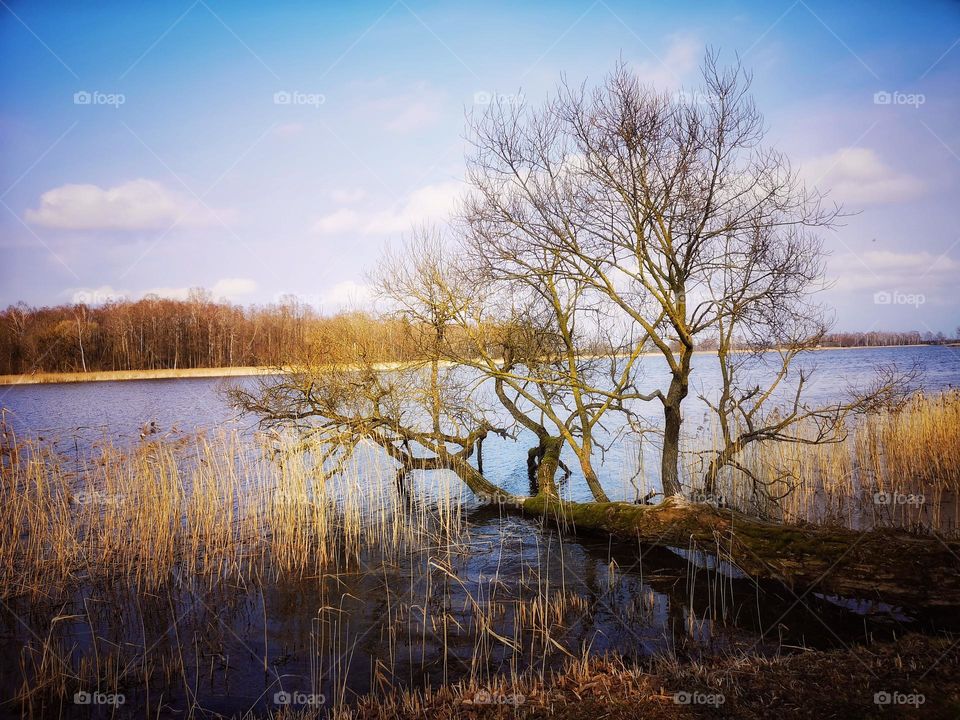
(884, 565)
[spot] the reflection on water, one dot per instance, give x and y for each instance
(507, 596)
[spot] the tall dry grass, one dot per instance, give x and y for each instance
(166, 520)
(896, 468)
(206, 508)
(135, 526)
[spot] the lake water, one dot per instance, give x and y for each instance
(335, 632)
(75, 415)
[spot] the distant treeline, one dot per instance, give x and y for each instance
(156, 333)
(878, 338)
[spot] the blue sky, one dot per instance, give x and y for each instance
(178, 167)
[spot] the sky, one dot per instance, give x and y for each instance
(261, 150)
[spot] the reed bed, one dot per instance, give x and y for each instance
(139, 569)
(130, 565)
(899, 467)
(203, 508)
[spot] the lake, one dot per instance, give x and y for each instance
(415, 616)
(75, 415)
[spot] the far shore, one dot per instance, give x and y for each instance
(43, 378)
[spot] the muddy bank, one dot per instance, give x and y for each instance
(889, 566)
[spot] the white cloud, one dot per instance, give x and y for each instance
(348, 196)
(414, 110)
(346, 295)
(431, 202)
(858, 176)
(888, 270)
(232, 289)
(413, 115)
(680, 59)
(135, 205)
(338, 222)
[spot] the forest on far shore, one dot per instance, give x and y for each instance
(159, 333)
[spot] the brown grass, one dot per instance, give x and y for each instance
(205, 511)
(812, 684)
(910, 454)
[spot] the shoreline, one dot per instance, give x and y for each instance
(54, 378)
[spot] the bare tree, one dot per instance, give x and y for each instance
(600, 225)
(422, 416)
(521, 338)
(550, 345)
(641, 196)
(766, 317)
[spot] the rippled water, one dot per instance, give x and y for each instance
(325, 634)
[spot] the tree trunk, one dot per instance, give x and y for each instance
(593, 482)
(670, 460)
(83, 357)
(672, 423)
(482, 488)
(533, 461)
(549, 464)
(717, 464)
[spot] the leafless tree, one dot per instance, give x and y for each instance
(525, 335)
(559, 363)
(420, 414)
(598, 226)
(642, 197)
(766, 317)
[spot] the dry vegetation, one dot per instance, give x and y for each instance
(607, 223)
(211, 508)
(909, 454)
(162, 334)
(839, 684)
(167, 519)
(217, 507)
